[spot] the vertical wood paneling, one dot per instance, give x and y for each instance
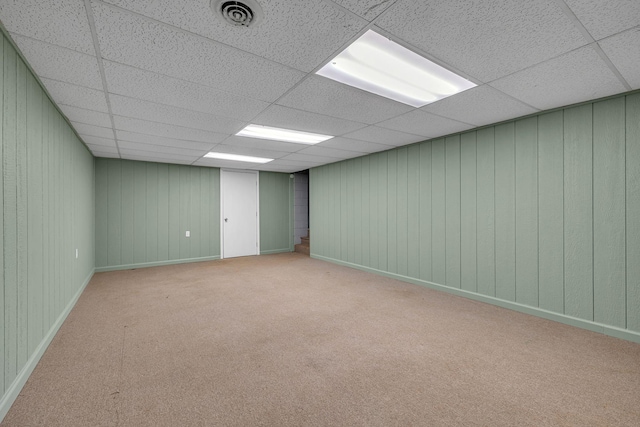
(114, 216)
(184, 197)
(174, 212)
(214, 176)
(21, 213)
(343, 213)
(452, 217)
(356, 217)
(392, 211)
(413, 212)
(468, 180)
(550, 211)
(382, 210)
(126, 212)
(205, 212)
(505, 211)
(609, 253)
(578, 212)
(3, 313)
(401, 211)
(151, 199)
(140, 214)
(163, 213)
(485, 146)
(438, 209)
(194, 213)
(633, 210)
(102, 202)
(9, 157)
(425, 213)
(373, 209)
(349, 179)
(527, 211)
(275, 211)
(366, 211)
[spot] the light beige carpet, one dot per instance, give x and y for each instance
(285, 340)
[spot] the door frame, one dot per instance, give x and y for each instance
(222, 188)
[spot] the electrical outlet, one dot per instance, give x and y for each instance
(187, 234)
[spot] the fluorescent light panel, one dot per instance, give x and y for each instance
(286, 135)
(378, 65)
(237, 157)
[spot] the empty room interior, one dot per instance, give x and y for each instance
(320, 212)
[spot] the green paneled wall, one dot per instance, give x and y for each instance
(276, 212)
(46, 213)
(144, 209)
(538, 214)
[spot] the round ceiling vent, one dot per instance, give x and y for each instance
(238, 13)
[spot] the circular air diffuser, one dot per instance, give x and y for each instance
(237, 13)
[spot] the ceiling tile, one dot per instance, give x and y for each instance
(76, 96)
(624, 51)
(270, 167)
(105, 154)
(136, 108)
(60, 22)
(317, 150)
(368, 9)
(298, 33)
(603, 18)
(324, 96)
(88, 117)
(126, 145)
(146, 44)
(263, 144)
(103, 149)
(256, 152)
(167, 131)
(154, 159)
(145, 155)
(61, 64)
(384, 136)
(219, 163)
(84, 129)
(481, 105)
(310, 158)
(137, 83)
(290, 118)
(98, 141)
(422, 123)
(485, 39)
(355, 145)
(158, 140)
(575, 77)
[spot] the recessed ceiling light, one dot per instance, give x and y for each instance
(286, 135)
(237, 157)
(378, 65)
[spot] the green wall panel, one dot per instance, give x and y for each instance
(46, 213)
(276, 221)
(536, 214)
(148, 207)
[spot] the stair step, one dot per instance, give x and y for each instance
(303, 249)
(305, 240)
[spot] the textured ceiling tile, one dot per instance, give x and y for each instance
(60, 22)
(384, 136)
(158, 140)
(368, 9)
(131, 107)
(270, 167)
(485, 39)
(154, 87)
(355, 145)
(603, 18)
(135, 41)
(84, 129)
(575, 77)
(62, 64)
(126, 145)
(298, 33)
(624, 51)
(102, 149)
(76, 96)
(290, 118)
(422, 123)
(316, 150)
(311, 158)
(167, 131)
(299, 164)
(156, 156)
(481, 105)
(263, 144)
(98, 141)
(88, 117)
(324, 96)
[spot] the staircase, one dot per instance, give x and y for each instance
(304, 247)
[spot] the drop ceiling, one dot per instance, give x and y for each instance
(168, 80)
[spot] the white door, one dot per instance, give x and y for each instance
(239, 213)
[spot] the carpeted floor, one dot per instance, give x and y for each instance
(285, 340)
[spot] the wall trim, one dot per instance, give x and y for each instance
(534, 311)
(16, 386)
(155, 263)
(275, 251)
